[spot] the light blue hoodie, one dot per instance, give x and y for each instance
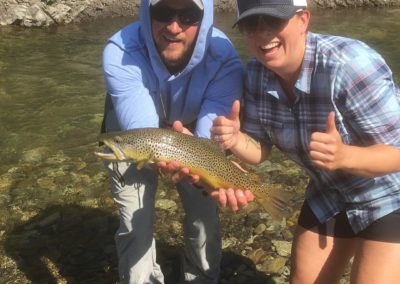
(137, 79)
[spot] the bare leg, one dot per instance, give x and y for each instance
(376, 262)
(318, 258)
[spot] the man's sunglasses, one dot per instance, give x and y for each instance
(164, 14)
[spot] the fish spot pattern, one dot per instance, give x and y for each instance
(198, 154)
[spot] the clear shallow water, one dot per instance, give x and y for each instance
(51, 99)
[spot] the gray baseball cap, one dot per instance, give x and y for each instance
(198, 3)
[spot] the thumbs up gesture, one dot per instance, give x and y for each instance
(225, 130)
(326, 148)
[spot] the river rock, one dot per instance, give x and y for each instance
(35, 155)
(260, 229)
(283, 248)
(46, 183)
(166, 204)
(229, 242)
(6, 181)
(59, 13)
(273, 265)
(258, 256)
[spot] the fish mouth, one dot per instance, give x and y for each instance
(106, 156)
(115, 154)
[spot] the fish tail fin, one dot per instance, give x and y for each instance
(278, 203)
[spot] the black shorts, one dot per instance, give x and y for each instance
(385, 229)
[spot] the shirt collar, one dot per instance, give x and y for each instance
(303, 84)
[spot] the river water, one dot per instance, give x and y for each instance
(51, 99)
(52, 90)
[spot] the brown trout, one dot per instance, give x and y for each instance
(200, 155)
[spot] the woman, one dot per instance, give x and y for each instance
(331, 105)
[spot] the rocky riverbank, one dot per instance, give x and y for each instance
(31, 13)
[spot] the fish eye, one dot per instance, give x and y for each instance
(118, 139)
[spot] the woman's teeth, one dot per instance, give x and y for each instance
(270, 46)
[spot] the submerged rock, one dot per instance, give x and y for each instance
(35, 155)
(283, 248)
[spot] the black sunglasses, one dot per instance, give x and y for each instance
(164, 14)
(257, 23)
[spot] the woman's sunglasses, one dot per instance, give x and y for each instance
(260, 23)
(164, 14)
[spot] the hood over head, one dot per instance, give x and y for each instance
(201, 44)
(199, 3)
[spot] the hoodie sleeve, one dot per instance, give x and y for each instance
(226, 86)
(127, 88)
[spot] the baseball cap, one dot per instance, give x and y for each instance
(283, 9)
(198, 3)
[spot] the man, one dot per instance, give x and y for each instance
(169, 66)
(331, 105)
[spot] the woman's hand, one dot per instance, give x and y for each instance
(327, 151)
(327, 148)
(233, 198)
(225, 130)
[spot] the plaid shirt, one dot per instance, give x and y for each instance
(348, 77)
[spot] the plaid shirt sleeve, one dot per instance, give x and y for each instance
(370, 98)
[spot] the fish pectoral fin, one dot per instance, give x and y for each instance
(106, 156)
(140, 164)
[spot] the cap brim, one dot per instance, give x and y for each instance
(281, 12)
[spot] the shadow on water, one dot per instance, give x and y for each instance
(70, 243)
(75, 244)
(233, 263)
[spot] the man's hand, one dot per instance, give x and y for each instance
(173, 168)
(177, 172)
(178, 127)
(327, 148)
(225, 130)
